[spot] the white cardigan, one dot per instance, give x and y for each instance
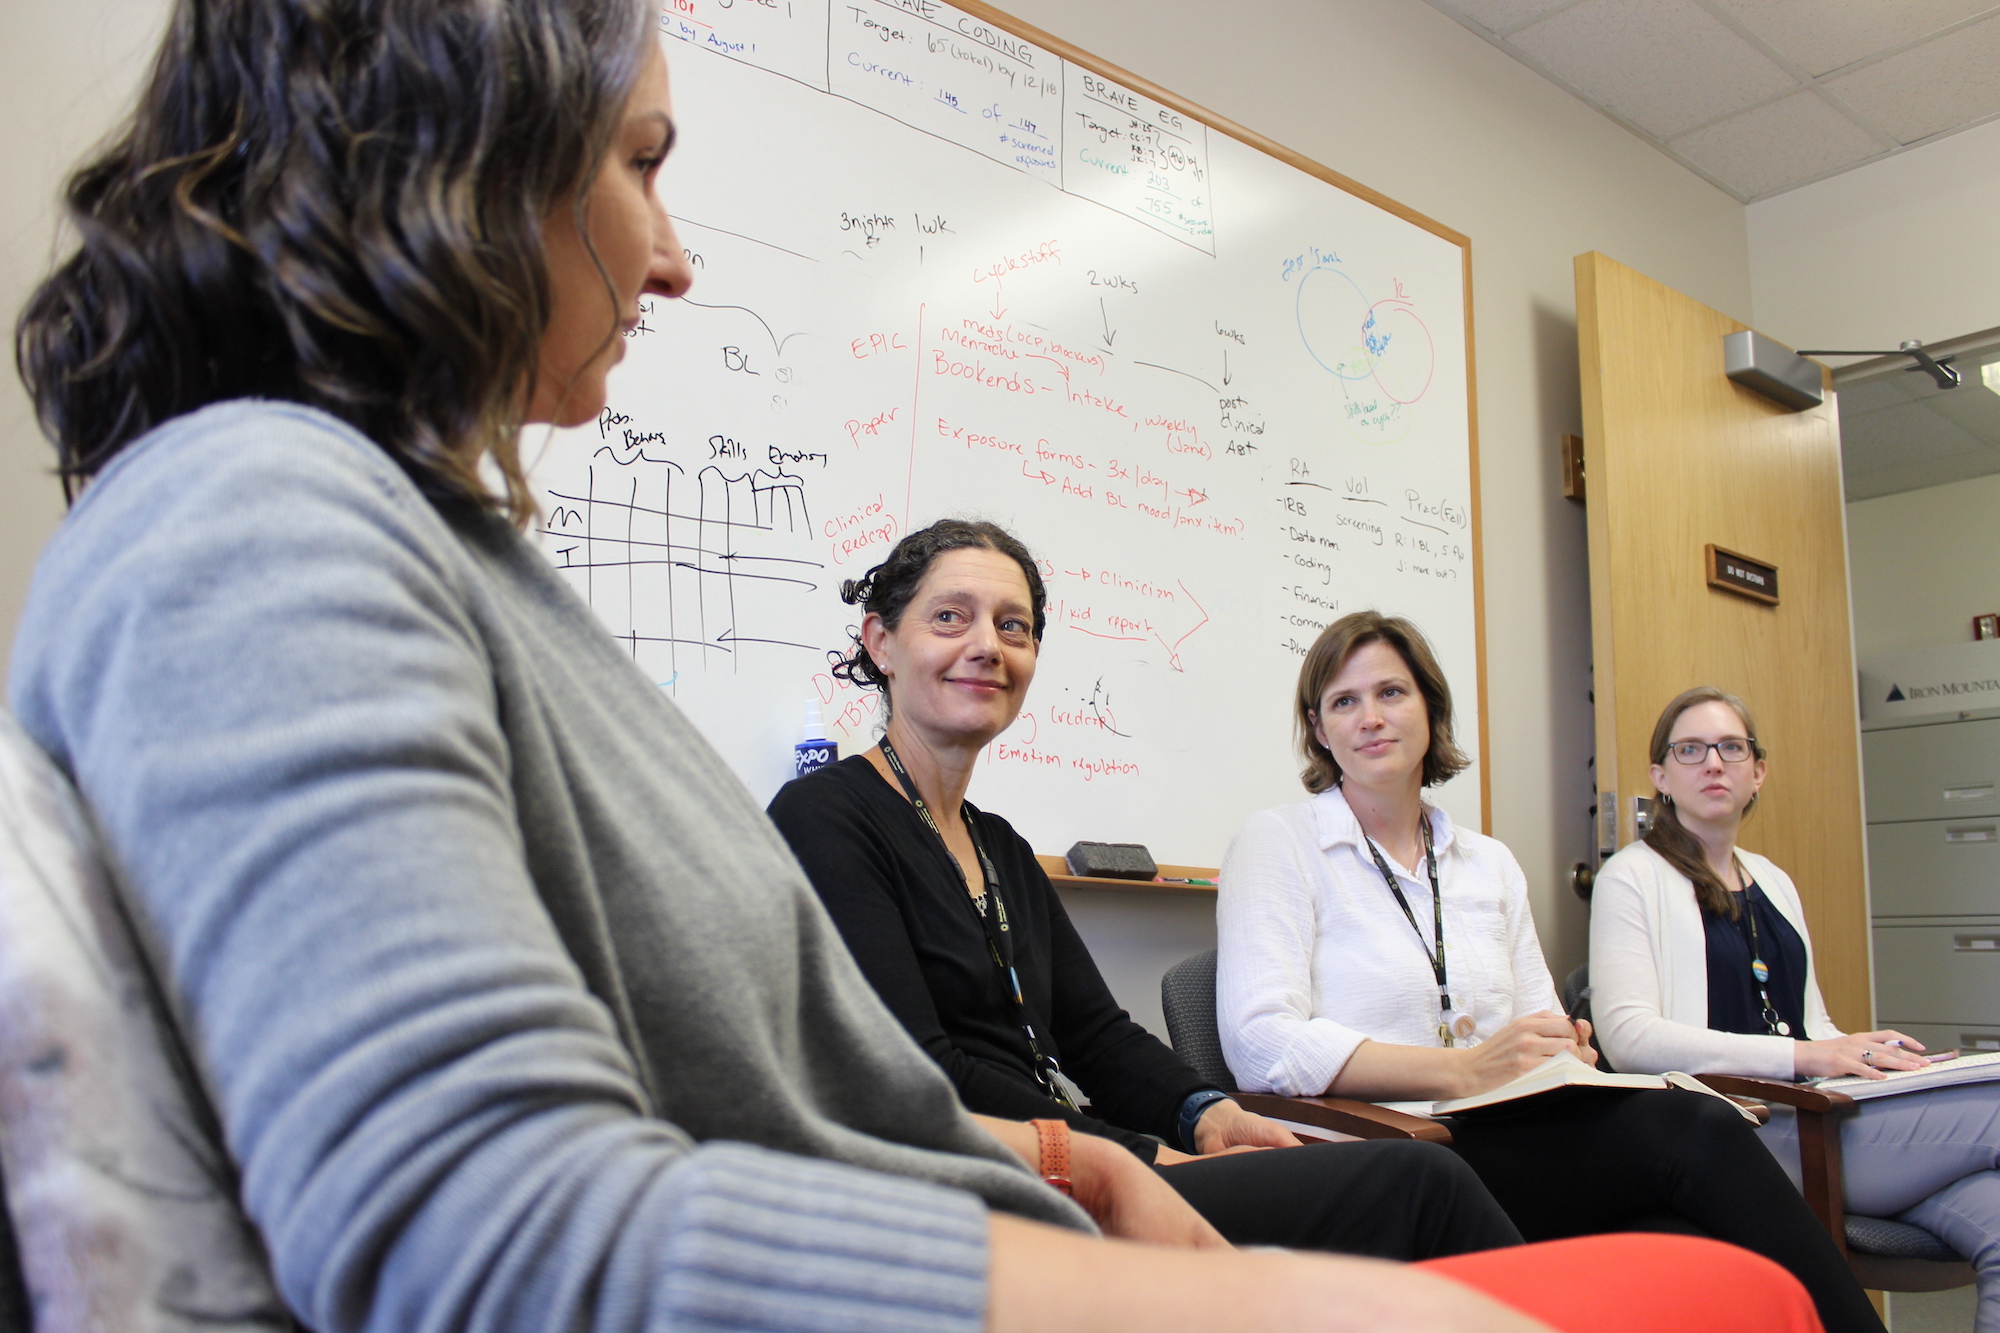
(1314, 957)
(1649, 972)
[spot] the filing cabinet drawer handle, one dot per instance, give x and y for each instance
(1973, 833)
(1982, 791)
(1975, 943)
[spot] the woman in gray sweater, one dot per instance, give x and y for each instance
(514, 1011)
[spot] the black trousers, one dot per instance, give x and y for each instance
(1385, 1199)
(1592, 1160)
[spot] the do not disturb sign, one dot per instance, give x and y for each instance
(1741, 575)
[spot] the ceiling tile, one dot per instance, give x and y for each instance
(1499, 15)
(1912, 434)
(1778, 145)
(1664, 65)
(1874, 394)
(1941, 85)
(1828, 34)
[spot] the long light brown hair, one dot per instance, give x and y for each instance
(1668, 836)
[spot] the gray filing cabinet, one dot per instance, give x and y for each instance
(1933, 790)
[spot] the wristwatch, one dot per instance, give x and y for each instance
(1191, 1110)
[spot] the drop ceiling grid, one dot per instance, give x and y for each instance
(1755, 96)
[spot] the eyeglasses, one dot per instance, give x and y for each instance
(1733, 749)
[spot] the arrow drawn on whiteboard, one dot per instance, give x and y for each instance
(1225, 367)
(777, 343)
(1171, 371)
(731, 636)
(1174, 648)
(1109, 332)
(999, 311)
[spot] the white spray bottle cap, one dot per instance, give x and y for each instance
(815, 729)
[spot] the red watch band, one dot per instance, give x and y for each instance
(1054, 1135)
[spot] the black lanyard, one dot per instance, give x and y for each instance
(1437, 916)
(1760, 971)
(993, 920)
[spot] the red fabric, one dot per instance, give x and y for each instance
(1639, 1284)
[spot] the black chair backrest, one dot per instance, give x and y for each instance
(1187, 995)
(13, 1290)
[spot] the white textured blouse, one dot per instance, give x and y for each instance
(1314, 956)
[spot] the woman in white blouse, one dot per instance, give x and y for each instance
(1369, 948)
(1700, 961)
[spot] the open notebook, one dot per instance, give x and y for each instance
(1561, 1070)
(1964, 1069)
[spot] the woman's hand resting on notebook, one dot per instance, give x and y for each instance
(1834, 1056)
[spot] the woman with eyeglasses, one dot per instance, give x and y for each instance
(1369, 946)
(1700, 961)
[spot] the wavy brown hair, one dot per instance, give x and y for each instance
(338, 203)
(1668, 836)
(1329, 653)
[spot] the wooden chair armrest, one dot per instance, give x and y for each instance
(1819, 1142)
(1754, 1107)
(1363, 1120)
(1785, 1094)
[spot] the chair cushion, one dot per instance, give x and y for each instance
(1187, 999)
(124, 1202)
(1896, 1240)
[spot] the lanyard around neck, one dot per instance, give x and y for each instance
(992, 913)
(1437, 904)
(1760, 971)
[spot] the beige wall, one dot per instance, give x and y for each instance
(1923, 564)
(1388, 92)
(1901, 248)
(67, 69)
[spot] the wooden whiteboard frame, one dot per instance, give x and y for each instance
(1298, 161)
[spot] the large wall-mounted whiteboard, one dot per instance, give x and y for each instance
(946, 266)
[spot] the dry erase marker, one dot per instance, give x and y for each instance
(1176, 879)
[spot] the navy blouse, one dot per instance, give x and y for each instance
(1733, 1003)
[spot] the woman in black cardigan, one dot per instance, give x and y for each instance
(911, 872)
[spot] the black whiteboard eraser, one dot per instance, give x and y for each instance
(1111, 860)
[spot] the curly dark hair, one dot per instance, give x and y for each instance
(886, 590)
(338, 203)
(1329, 653)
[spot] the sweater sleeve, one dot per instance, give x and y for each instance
(1627, 990)
(1267, 934)
(249, 649)
(854, 866)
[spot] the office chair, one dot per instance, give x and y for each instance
(1187, 997)
(1886, 1255)
(122, 1198)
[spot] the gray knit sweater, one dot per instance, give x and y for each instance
(516, 1011)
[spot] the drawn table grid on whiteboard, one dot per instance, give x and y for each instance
(942, 270)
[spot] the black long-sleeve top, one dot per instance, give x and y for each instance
(901, 902)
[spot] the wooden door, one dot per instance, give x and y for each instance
(1677, 457)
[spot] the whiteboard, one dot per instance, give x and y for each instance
(945, 269)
